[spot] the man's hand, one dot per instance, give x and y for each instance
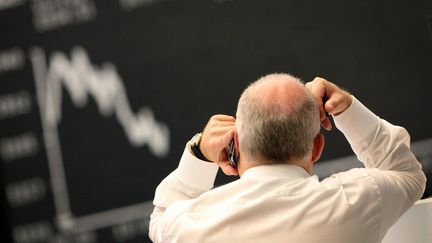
(216, 137)
(338, 100)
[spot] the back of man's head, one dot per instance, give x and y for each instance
(277, 120)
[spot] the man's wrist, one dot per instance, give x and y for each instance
(195, 148)
(357, 121)
(349, 99)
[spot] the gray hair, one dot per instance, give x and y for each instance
(269, 132)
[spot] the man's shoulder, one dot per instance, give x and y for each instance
(356, 184)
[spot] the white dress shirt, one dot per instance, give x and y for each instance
(283, 203)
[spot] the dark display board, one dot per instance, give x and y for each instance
(98, 98)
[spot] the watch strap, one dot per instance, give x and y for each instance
(196, 150)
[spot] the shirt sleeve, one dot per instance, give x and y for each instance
(191, 178)
(385, 151)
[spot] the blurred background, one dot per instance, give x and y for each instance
(98, 98)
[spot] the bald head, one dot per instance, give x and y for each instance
(281, 91)
(277, 119)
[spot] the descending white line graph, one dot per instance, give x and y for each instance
(82, 79)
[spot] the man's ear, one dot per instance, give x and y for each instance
(318, 147)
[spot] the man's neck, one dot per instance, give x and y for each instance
(244, 165)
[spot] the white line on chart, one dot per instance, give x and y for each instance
(82, 79)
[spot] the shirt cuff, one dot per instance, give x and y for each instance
(357, 122)
(196, 173)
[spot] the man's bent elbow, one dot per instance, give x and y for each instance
(153, 224)
(418, 184)
(422, 182)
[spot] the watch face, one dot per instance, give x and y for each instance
(196, 139)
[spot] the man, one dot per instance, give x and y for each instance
(277, 199)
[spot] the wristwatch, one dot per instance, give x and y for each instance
(194, 145)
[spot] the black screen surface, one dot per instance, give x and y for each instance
(98, 98)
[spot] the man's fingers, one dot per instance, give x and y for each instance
(319, 89)
(221, 117)
(221, 130)
(227, 168)
(323, 114)
(229, 135)
(216, 136)
(326, 124)
(325, 121)
(336, 104)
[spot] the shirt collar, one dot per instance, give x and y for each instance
(276, 171)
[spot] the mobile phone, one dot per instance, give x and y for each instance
(232, 154)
